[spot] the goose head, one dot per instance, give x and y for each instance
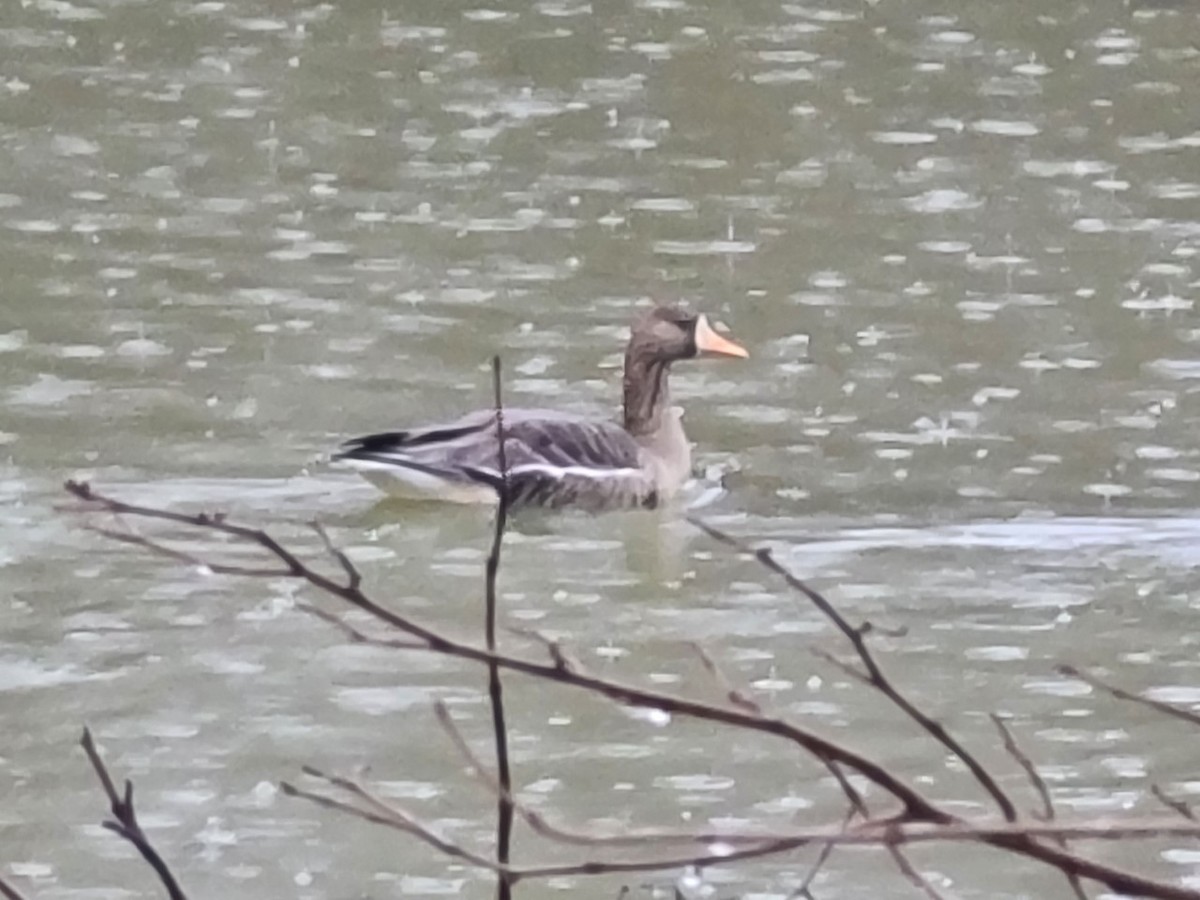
(668, 333)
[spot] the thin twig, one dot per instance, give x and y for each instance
(887, 833)
(1025, 839)
(1023, 760)
(802, 890)
(400, 820)
(353, 575)
(856, 636)
(504, 805)
(1039, 786)
(857, 801)
(353, 634)
(857, 806)
(558, 653)
(212, 568)
(124, 821)
(539, 824)
(1122, 694)
(919, 881)
(10, 892)
(1173, 803)
(733, 694)
(846, 667)
(916, 805)
(382, 813)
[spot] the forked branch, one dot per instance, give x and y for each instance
(124, 819)
(913, 816)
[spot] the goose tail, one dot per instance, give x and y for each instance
(399, 475)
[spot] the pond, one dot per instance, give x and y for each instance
(960, 243)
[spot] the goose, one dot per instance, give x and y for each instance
(558, 459)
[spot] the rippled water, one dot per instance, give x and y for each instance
(960, 242)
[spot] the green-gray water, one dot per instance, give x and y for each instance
(959, 240)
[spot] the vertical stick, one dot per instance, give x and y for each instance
(504, 810)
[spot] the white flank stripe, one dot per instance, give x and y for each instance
(569, 471)
(412, 484)
(524, 469)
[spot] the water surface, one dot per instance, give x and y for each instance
(960, 243)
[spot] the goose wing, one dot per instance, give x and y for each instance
(553, 459)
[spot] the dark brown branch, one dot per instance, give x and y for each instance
(919, 818)
(1166, 709)
(382, 813)
(857, 806)
(1023, 760)
(845, 667)
(504, 806)
(354, 635)
(915, 803)
(293, 567)
(9, 892)
(802, 890)
(858, 803)
(353, 576)
(878, 680)
(886, 833)
(919, 881)
(562, 659)
(1172, 803)
(124, 821)
(734, 695)
(1039, 786)
(539, 824)
(213, 568)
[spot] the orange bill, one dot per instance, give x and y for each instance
(708, 341)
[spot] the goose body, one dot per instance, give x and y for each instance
(556, 459)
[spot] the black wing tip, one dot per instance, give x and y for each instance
(370, 443)
(388, 441)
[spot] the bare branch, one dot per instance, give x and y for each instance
(734, 695)
(878, 680)
(504, 805)
(399, 820)
(124, 821)
(562, 659)
(1023, 760)
(382, 813)
(210, 521)
(916, 805)
(539, 824)
(876, 833)
(858, 803)
(846, 667)
(919, 881)
(9, 892)
(1166, 709)
(353, 575)
(919, 818)
(355, 635)
(1172, 803)
(802, 890)
(1039, 785)
(211, 567)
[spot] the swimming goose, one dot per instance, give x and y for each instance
(558, 459)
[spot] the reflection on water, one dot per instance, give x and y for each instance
(961, 249)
